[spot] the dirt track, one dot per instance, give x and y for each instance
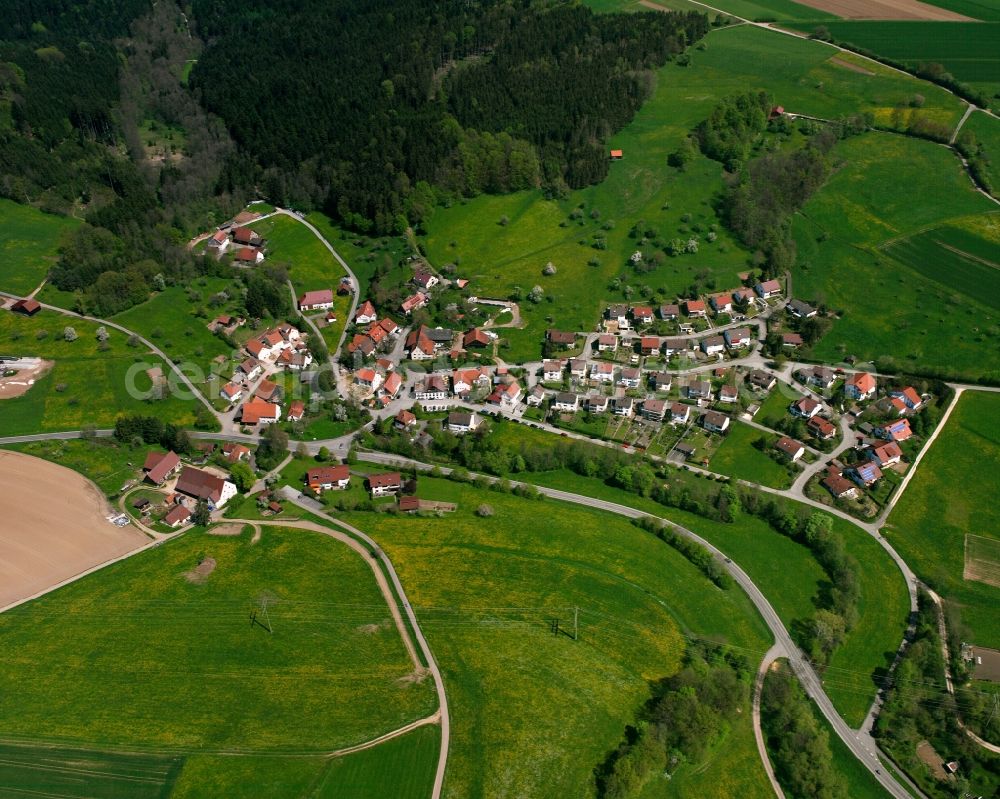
(885, 9)
(53, 526)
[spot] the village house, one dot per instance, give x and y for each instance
(722, 303)
(623, 406)
(909, 397)
(578, 368)
(729, 394)
(159, 466)
(296, 410)
(295, 361)
(235, 452)
(258, 349)
(268, 390)
(743, 297)
(433, 387)
(695, 308)
(897, 430)
(800, 310)
(364, 344)
(218, 241)
(367, 377)
(247, 236)
(821, 428)
(762, 380)
(178, 515)
(790, 448)
(619, 314)
(231, 392)
(820, 376)
(679, 413)
(838, 485)
(328, 478)
(699, 389)
(413, 303)
(391, 385)
(552, 371)
(596, 403)
(669, 312)
(197, 484)
(506, 395)
(536, 396)
(258, 411)
(715, 422)
(419, 345)
(737, 337)
(886, 454)
(791, 340)
(365, 314)
(606, 342)
(649, 345)
(319, 300)
(566, 401)
(654, 409)
(860, 386)
(477, 339)
(561, 338)
(642, 315)
(630, 377)
(250, 369)
(381, 485)
(865, 474)
(661, 381)
(424, 279)
(464, 380)
(768, 288)
(249, 255)
(602, 372)
(805, 408)
(672, 346)
(461, 422)
(405, 419)
(713, 345)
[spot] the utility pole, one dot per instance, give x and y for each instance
(993, 712)
(576, 624)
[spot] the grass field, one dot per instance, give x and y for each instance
(402, 768)
(862, 208)
(948, 498)
(988, 10)
(84, 774)
(801, 74)
(362, 254)
(987, 131)
(86, 385)
(739, 458)
(955, 259)
(29, 240)
(533, 713)
(204, 776)
(140, 646)
(775, 407)
(175, 321)
(310, 264)
(769, 558)
(968, 50)
(103, 460)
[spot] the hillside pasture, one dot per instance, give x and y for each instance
(310, 265)
(986, 129)
(946, 501)
(87, 385)
(140, 646)
(738, 457)
(534, 712)
(29, 243)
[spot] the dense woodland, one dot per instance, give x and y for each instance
(462, 98)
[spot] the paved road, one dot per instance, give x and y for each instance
(861, 744)
(421, 640)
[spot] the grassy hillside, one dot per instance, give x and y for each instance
(945, 501)
(533, 713)
(29, 240)
(86, 385)
(142, 646)
(987, 131)
(503, 242)
(886, 307)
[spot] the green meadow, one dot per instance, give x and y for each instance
(534, 712)
(738, 457)
(310, 265)
(106, 462)
(987, 131)
(505, 242)
(86, 386)
(885, 307)
(29, 241)
(146, 654)
(948, 498)
(403, 768)
(176, 320)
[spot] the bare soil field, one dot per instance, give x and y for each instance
(989, 669)
(54, 526)
(17, 385)
(886, 9)
(982, 560)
